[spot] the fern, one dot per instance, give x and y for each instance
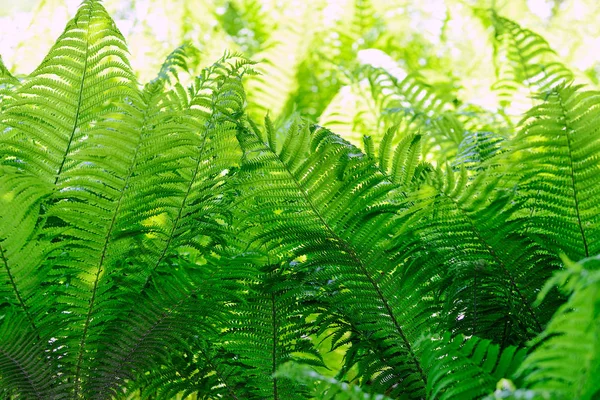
(564, 362)
(325, 388)
(524, 58)
(557, 148)
(99, 148)
(466, 368)
(156, 242)
(323, 222)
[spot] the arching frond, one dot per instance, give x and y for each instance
(524, 59)
(128, 178)
(460, 232)
(556, 160)
(306, 208)
(55, 108)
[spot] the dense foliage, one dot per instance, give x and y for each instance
(174, 240)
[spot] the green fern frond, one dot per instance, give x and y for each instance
(306, 206)
(54, 109)
(523, 58)
(492, 266)
(564, 362)
(249, 24)
(6, 78)
(466, 368)
(7, 81)
(270, 328)
(405, 166)
(183, 301)
(206, 372)
(187, 217)
(184, 58)
(557, 156)
(477, 148)
(24, 369)
(377, 101)
(356, 110)
(279, 60)
(132, 171)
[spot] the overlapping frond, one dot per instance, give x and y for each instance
(269, 328)
(308, 208)
(24, 371)
(128, 178)
(184, 205)
(460, 232)
(377, 102)
(157, 242)
(326, 388)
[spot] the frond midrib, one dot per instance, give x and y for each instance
(13, 283)
(79, 100)
(572, 172)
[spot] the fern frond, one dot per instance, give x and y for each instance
(85, 73)
(377, 101)
(477, 148)
(466, 368)
(557, 155)
(122, 170)
(279, 59)
(24, 370)
(183, 205)
(357, 109)
(248, 24)
(49, 114)
(181, 302)
(489, 268)
(307, 205)
(405, 166)
(564, 361)
(207, 371)
(7, 81)
(184, 58)
(524, 58)
(269, 328)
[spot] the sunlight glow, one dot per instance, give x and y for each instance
(541, 8)
(378, 59)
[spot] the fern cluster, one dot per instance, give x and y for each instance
(163, 242)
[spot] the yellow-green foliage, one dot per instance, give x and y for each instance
(173, 240)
